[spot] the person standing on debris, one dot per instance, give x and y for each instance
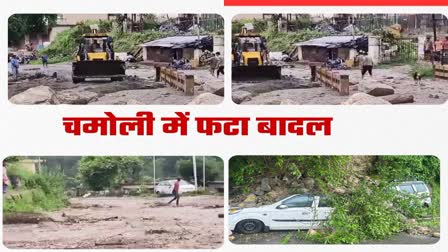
(15, 66)
(45, 60)
(428, 48)
(6, 182)
(213, 61)
(220, 65)
(366, 65)
(176, 192)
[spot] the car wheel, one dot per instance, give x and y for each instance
(250, 226)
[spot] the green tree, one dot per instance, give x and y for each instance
(213, 168)
(105, 172)
(21, 24)
(391, 168)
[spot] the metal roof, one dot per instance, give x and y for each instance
(329, 41)
(175, 42)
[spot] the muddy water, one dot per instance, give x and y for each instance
(125, 222)
(276, 237)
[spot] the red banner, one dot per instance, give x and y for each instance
(335, 3)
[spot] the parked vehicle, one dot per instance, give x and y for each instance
(166, 187)
(416, 188)
(292, 213)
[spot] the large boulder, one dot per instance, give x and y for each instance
(35, 95)
(399, 98)
(76, 97)
(206, 99)
(240, 96)
(265, 187)
(309, 183)
(376, 89)
(134, 102)
(250, 201)
(365, 99)
(288, 102)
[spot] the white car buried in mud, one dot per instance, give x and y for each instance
(292, 213)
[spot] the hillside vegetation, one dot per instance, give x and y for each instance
(365, 207)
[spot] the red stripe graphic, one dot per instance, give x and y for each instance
(335, 3)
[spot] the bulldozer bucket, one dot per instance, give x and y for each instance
(114, 69)
(256, 72)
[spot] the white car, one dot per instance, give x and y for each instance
(292, 213)
(417, 188)
(167, 186)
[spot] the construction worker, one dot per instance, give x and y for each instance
(175, 192)
(220, 65)
(213, 61)
(366, 65)
(15, 66)
(45, 60)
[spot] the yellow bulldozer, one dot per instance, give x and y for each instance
(250, 58)
(95, 58)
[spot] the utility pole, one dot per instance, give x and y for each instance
(197, 24)
(203, 172)
(38, 164)
(154, 173)
(434, 28)
(195, 173)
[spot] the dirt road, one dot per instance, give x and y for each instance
(124, 222)
(276, 237)
(138, 88)
(296, 88)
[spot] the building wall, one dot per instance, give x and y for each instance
(247, 16)
(313, 53)
(157, 54)
(72, 19)
(29, 165)
(56, 30)
(218, 44)
(188, 53)
(375, 49)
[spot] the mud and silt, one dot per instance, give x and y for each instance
(121, 222)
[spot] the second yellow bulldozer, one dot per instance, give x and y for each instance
(250, 58)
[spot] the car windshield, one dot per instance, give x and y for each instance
(406, 188)
(421, 187)
(299, 201)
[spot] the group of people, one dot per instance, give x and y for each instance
(436, 51)
(216, 64)
(15, 62)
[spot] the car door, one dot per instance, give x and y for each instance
(165, 188)
(293, 213)
(323, 210)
